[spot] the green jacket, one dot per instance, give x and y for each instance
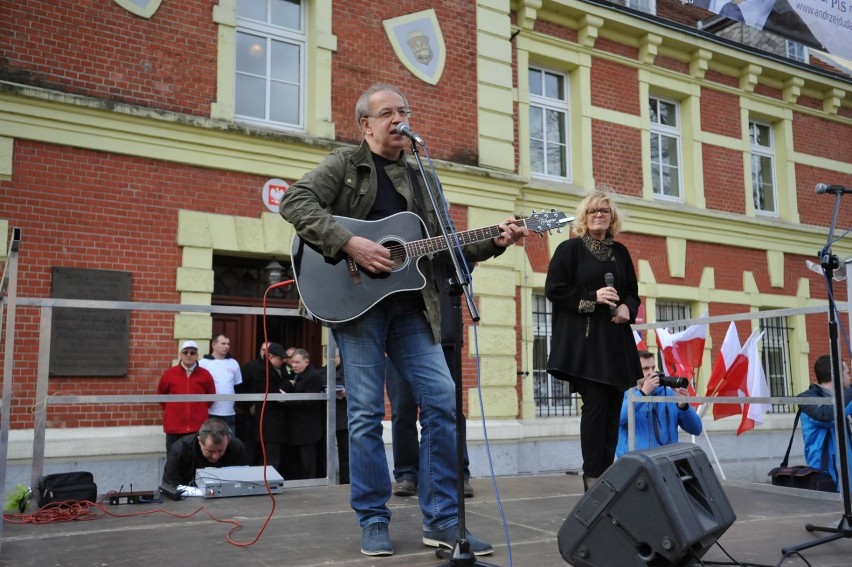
(344, 184)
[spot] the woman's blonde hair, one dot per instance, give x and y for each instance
(600, 197)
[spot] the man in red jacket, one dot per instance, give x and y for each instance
(187, 377)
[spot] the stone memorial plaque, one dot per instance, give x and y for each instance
(85, 341)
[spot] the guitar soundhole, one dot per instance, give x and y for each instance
(397, 253)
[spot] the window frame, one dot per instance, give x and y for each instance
(556, 401)
(757, 152)
(646, 6)
(545, 104)
(271, 33)
(796, 51)
(674, 132)
(777, 367)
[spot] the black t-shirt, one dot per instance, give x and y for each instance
(388, 200)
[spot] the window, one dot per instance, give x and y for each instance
(673, 311)
(549, 124)
(796, 51)
(270, 56)
(762, 167)
(647, 6)
(665, 148)
(776, 360)
(551, 395)
(235, 276)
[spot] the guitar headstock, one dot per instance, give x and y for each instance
(547, 221)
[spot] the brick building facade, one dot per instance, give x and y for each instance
(125, 144)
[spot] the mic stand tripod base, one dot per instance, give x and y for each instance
(842, 531)
(460, 556)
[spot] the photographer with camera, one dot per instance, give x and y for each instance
(657, 423)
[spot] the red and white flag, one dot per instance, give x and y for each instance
(756, 386)
(671, 367)
(640, 344)
(744, 377)
(688, 345)
(683, 352)
(718, 382)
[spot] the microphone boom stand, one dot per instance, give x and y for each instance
(843, 530)
(461, 556)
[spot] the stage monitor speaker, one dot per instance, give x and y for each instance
(661, 507)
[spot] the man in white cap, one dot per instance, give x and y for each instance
(187, 377)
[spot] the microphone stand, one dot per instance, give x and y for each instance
(461, 556)
(843, 530)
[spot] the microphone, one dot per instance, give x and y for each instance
(834, 189)
(405, 130)
(610, 282)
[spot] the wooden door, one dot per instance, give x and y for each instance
(246, 333)
(240, 329)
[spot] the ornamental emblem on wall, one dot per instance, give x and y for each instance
(418, 43)
(144, 8)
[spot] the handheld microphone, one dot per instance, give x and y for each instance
(834, 189)
(405, 130)
(610, 282)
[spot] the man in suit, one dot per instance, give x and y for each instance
(305, 418)
(271, 422)
(253, 373)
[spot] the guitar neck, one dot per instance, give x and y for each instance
(439, 244)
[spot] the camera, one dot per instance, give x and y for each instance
(673, 381)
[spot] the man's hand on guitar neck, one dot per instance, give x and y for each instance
(512, 232)
(370, 255)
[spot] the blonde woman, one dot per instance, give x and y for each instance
(592, 285)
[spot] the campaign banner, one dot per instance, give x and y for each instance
(822, 24)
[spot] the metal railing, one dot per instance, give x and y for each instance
(46, 306)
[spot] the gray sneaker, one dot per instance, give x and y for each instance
(375, 540)
(468, 489)
(405, 488)
(447, 537)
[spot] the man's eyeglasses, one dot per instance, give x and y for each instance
(189, 352)
(603, 210)
(386, 113)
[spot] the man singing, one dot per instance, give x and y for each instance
(371, 182)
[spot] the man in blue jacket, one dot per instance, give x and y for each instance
(818, 421)
(656, 423)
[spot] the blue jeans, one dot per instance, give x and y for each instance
(404, 425)
(398, 327)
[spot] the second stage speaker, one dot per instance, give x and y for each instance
(661, 507)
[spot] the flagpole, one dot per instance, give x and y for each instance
(702, 409)
(713, 453)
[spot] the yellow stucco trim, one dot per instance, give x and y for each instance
(7, 146)
(496, 143)
(4, 239)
